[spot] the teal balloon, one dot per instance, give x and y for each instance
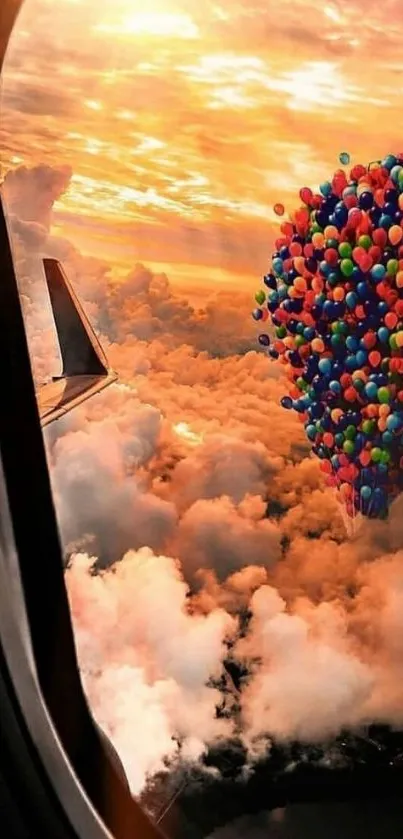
(344, 158)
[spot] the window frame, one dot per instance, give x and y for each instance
(38, 663)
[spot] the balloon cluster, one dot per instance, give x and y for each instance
(335, 297)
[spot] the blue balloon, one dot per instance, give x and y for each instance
(371, 390)
(362, 290)
(378, 272)
(389, 161)
(335, 386)
(352, 343)
(385, 221)
(278, 265)
(366, 492)
(393, 422)
(361, 358)
(383, 334)
(351, 299)
(257, 314)
(325, 365)
(351, 363)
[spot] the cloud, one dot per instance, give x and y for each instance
(145, 660)
(187, 500)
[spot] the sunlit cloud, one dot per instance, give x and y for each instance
(160, 24)
(182, 430)
(198, 115)
(93, 104)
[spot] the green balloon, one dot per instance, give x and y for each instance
(260, 297)
(299, 340)
(345, 250)
(392, 267)
(368, 426)
(348, 447)
(281, 332)
(392, 341)
(365, 242)
(332, 243)
(385, 456)
(376, 454)
(347, 267)
(383, 395)
(350, 432)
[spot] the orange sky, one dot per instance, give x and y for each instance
(184, 121)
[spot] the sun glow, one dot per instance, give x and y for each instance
(154, 24)
(183, 430)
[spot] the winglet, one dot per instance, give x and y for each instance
(81, 352)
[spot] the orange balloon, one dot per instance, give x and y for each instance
(317, 345)
(318, 240)
(299, 264)
(300, 285)
(331, 232)
(395, 234)
(339, 294)
(317, 285)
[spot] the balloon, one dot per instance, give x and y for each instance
(333, 297)
(279, 209)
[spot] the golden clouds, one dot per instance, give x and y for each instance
(196, 111)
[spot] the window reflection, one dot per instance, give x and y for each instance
(229, 636)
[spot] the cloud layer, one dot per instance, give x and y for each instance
(185, 496)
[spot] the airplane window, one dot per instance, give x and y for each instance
(239, 640)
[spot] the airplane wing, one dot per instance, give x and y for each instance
(85, 368)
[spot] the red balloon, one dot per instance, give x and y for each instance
(369, 340)
(295, 249)
(306, 194)
(354, 217)
(287, 228)
(379, 237)
(308, 250)
(375, 358)
(375, 253)
(345, 380)
(366, 263)
(331, 256)
(357, 172)
(350, 394)
(390, 320)
(391, 297)
(350, 201)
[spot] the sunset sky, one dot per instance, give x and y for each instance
(184, 121)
